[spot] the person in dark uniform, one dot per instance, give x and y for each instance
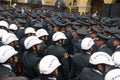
(12, 40)
(100, 63)
(81, 60)
(48, 68)
(81, 34)
(116, 42)
(10, 19)
(42, 34)
(50, 31)
(109, 32)
(29, 31)
(68, 41)
(6, 61)
(20, 32)
(101, 43)
(94, 36)
(57, 50)
(30, 58)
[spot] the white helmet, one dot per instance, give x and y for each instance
(6, 52)
(58, 35)
(13, 27)
(31, 41)
(48, 64)
(100, 58)
(113, 75)
(41, 32)
(2, 32)
(4, 24)
(8, 38)
(29, 30)
(116, 58)
(87, 43)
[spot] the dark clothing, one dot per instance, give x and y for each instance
(117, 49)
(30, 61)
(89, 74)
(20, 33)
(5, 72)
(68, 46)
(61, 54)
(14, 78)
(80, 61)
(43, 50)
(106, 49)
(110, 44)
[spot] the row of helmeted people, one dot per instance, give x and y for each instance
(33, 46)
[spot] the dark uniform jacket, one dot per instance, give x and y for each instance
(106, 49)
(117, 49)
(61, 54)
(90, 74)
(80, 61)
(5, 72)
(20, 33)
(30, 61)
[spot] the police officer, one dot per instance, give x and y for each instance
(81, 60)
(30, 57)
(21, 30)
(113, 75)
(116, 42)
(101, 43)
(57, 50)
(48, 67)
(29, 31)
(6, 59)
(12, 40)
(81, 34)
(42, 34)
(99, 64)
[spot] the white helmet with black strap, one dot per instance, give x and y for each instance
(48, 64)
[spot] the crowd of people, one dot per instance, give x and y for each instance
(44, 44)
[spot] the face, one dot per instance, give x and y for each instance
(55, 29)
(14, 43)
(104, 69)
(116, 43)
(55, 72)
(31, 34)
(12, 59)
(100, 43)
(93, 35)
(44, 38)
(62, 41)
(36, 47)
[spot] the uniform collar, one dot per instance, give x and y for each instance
(117, 47)
(88, 53)
(97, 71)
(22, 28)
(8, 66)
(52, 78)
(102, 46)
